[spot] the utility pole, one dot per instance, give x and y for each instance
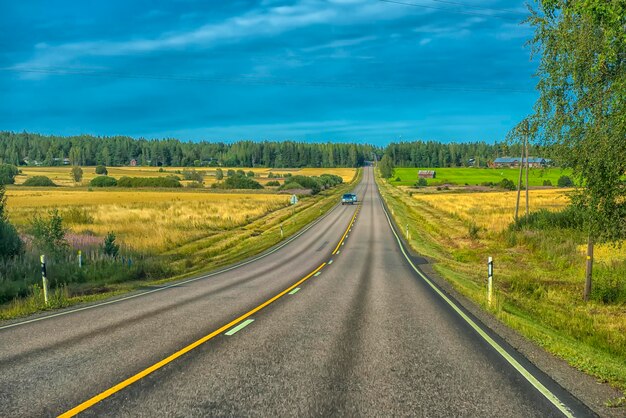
(519, 180)
(527, 163)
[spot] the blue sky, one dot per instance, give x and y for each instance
(309, 70)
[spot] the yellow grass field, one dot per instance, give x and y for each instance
(494, 211)
(61, 175)
(150, 221)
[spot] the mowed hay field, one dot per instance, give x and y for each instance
(477, 176)
(60, 175)
(144, 220)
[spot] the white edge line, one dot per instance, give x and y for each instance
(84, 308)
(239, 327)
(520, 369)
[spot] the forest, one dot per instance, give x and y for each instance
(87, 150)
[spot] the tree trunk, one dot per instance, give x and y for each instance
(588, 272)
(527, 167)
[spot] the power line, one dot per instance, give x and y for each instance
(423, 6)
(248, 80)
(479, 7)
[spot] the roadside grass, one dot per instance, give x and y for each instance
(233, 238)
(538, 276)
(476, 176)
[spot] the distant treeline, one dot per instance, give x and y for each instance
(453, 154)
(26, 148)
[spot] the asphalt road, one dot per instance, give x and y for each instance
(367, 336)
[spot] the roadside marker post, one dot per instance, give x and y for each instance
(407, 231)
(489, 279)
(282, 234)
(44, 279)
(80, 259)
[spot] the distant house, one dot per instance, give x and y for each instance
(133, 163)
(534, 162)
(426, 174)
(66, 161)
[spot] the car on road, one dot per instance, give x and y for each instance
(348, 199)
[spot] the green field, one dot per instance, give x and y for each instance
(476, 176)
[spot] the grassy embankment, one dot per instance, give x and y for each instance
(477, 176)
(538, 277)
(187, 231)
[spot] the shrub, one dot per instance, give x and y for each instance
(76, 215)
(39, 181)
(169, 181)
(193, 175)
(76, 173)
(102, 170)
(250, 173)
(109, 247)
(547, 183)
(569, 218)
(398, 179)
(292, 185)
(565, 181)
(10, 242)
(240, 182)
(219, 174)
(8, 173)
(306, 182)
(273, 183)
(230, 173)
(195, 185)
(49, 234)
(422, 182)
(330, 180)
(103, 181)
(487, 184)
(507, 184)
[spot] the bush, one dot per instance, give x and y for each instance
(10, 242)
(230, 173)
(219, 174)
(487, 184)
(131, 182)
(39, 181)
(569, 218)
(109, 247)
(238, 182)
(195, 185)
(102, 170)
(422, 182)
(76, 173)
(273, 183)
(193, 175)
(76, 215)
(250, 173)
(330, 180)
(8, 173)
(507, 184)
(292, 185)
(103, 181)
(565, 181)
(49, 234)
(306, 182)
(398, 179)
(547, 183)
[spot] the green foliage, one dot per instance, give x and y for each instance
(49, 233)
(109, 247)
(569, 218)
(131, 182)
(10, 242)
(103, 181)
(565, 181)
(238, 182)
(386, 166)
(78, 215)
(473, 230)
(422, 182)
(76, 173)
(582, 103)
(273, 183)
(250, 173)
(195, 185)
(307, 183)
(39, 181)
(330, 180)
(219, 174)
(101, 170)
(193, 175)
(292, 185)
(8, 173)
(507, 184)
(230, 173)
(547, 183)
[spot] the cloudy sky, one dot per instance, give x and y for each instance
(312, 70)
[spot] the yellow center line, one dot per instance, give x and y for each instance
(347, 230)
(111, 391)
